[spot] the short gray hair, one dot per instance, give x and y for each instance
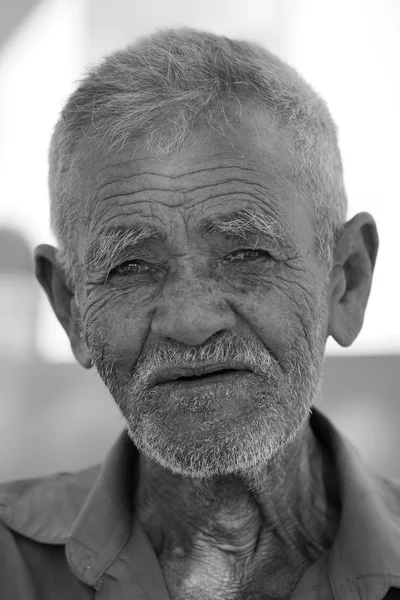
(167, 86)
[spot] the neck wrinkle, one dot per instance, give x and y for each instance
(290, 497)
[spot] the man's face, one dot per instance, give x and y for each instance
(191, 299)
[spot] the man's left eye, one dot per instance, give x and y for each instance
(240, 255)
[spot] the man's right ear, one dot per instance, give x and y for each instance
(53, 281)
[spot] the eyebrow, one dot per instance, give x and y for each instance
(243, 223)
(118, 241)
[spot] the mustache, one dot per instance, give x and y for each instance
(221, 350)
(168, 353)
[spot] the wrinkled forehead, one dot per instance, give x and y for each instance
(252, 156)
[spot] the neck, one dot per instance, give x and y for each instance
(285, 509)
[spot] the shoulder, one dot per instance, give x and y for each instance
(44, 509)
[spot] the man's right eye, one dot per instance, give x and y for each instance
(131, 267)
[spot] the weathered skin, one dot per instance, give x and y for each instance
(227, 540)
(229, 537)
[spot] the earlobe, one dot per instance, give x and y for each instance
(61, 298)
(351, 278)
(345, 316)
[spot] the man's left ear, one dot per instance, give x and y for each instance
(351, 277)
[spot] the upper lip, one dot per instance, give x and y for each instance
(164, 374)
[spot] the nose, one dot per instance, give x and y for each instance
(192, 316)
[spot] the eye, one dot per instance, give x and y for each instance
(131, 267)
(246, 255)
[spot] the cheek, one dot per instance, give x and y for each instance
(284, 320)
(267, 316)
(116, 330)
(308, 322)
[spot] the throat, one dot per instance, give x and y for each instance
(216, 571)
(285, 515)
(205, 518)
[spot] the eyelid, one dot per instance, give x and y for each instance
(262, 251)
(128, 261)
(251, 249)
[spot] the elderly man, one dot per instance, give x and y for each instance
(203, 259)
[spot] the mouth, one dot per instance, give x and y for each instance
(206, 375)
(222, 376)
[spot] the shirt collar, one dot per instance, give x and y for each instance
(363, 562)
(104, 523)
(108, 548)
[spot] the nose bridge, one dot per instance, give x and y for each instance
(192, 308)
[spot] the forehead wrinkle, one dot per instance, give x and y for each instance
(149, 174)
(262, 191)
(100, 189)
(224, 164)
(103, 214)
(119, 181)
(185, 173)
(196, 189)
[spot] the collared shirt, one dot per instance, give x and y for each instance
(76, 537)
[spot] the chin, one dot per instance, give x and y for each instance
(206, 449)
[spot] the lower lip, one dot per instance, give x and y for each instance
(221, 378)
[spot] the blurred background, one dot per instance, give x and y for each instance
(54, 415)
